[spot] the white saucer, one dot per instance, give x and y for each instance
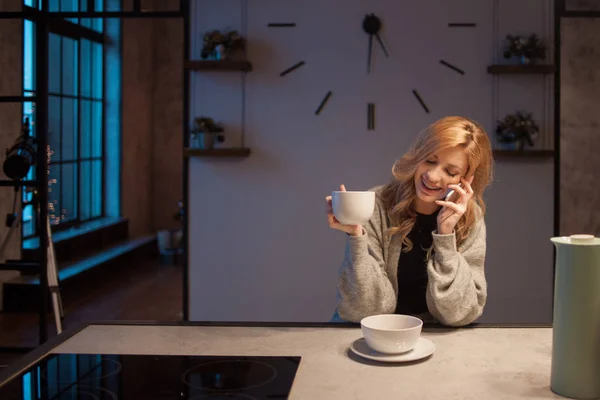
(424, 348)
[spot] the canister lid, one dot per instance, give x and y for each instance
(577, 240)
(582, 238)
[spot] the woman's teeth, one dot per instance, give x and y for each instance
(429, 187)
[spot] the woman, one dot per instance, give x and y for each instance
(422, 254)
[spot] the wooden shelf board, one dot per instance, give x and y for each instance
(218, 65)
(523, 153)
(218, 153)
(521, 69)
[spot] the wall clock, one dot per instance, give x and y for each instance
(373, 25)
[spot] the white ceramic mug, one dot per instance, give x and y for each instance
(353, 207)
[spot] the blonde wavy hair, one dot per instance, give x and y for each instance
(399, 195)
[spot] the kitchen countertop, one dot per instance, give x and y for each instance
(469, 363)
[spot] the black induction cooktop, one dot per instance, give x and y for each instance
(153, 377)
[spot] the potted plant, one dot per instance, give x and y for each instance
(206, 133)
(218, 45)
(517, 129)
(528, 50)
(170, 245)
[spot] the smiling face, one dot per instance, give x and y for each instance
(433, 176)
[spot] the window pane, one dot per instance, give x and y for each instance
(97, 22)
(85, 124)
(112, 5)
(54, 193)
(53, 5)
(96, 188)
(85, 190)
(97, 129)
(28, 55)
(54, 126)
(54, 63)
(69, 192)
(28, 226)
(69, 129)
(97, 70)
(29, 112)
(69, 66)
(85, 56)
(69, 5)
(27, 196)
(83, 7)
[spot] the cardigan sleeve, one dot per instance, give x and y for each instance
(364, 288)
(457, 288)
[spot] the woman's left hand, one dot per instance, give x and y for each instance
(454, 208)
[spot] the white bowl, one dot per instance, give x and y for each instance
(391, 333)
(353, 208)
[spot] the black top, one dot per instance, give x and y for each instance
(147, 377)
(412, 267)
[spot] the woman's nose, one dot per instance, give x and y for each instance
(433, 176)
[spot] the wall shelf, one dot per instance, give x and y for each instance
(521, 69)
(219, 65)
(523, 153)
(230, 152)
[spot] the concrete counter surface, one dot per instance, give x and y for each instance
(470, 363)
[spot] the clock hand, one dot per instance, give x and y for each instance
(382, 46)
(369, 53)
(371, 25)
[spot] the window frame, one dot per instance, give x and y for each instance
(66, 28)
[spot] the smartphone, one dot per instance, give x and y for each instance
(451, 192)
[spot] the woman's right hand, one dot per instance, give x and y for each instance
(353, 230)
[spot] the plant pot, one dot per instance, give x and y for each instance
(507, 146)
(203, 140)
(170, 242)
(221, 52)
(166, 240)
(518, 145)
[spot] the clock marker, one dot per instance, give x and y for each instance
(462, 24)
(293, 67)
(447, 64)
(421, 101)
(323, 102)
(281, 24)
(371, 116)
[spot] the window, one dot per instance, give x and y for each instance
(27, 219)
(76, 115)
